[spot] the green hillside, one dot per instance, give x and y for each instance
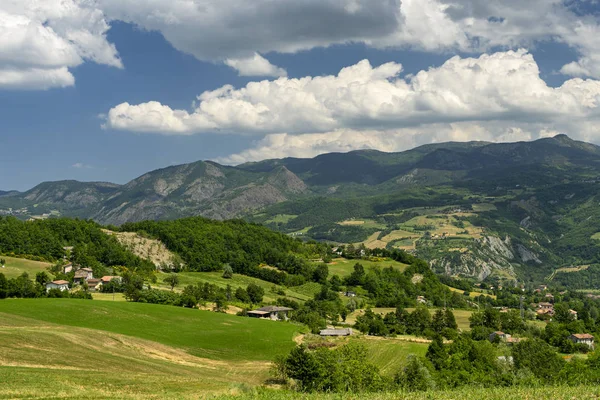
(200, 333)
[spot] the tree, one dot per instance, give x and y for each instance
(415, 376)
(320, 274)
(42, 278)
(436, 353)
(562, 313)
(336, 283)
(255, 293)
(303, 367)
(227, 271)
(538, 357)
(242, 295)
(172, 280)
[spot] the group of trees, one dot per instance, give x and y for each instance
(135, 290)
(420, 322)
(24, 287)
(460, 362)
(46, 239)
(207, 245)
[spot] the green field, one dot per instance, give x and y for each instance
(344, 267)
(216, 278)
(16, 266)
(390, 354)
(108, 296)
(61, 348)
(200, 333)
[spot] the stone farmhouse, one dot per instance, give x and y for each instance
(582, 338)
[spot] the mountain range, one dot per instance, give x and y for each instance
(526, 194)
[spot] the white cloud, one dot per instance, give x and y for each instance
(79, 165)
(41, 39)
(256, 65)
(237, 29)
(65, 33)
(35, 78)
(500, 86)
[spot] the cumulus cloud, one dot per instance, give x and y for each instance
(35, 78)
(256, 65)
(236, 29)
(41, 39)
(499, 86)
(64, 33)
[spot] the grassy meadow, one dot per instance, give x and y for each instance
(200, 333)
(16, 266)
(344, 267)
(299, 293)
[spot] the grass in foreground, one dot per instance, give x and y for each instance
(200, 333)
(16, 266)
(44, 360)
(554, 393)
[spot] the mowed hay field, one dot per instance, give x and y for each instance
(16, 266)
(201, 333)
(66, 348)
(299, 293)
(343, 267)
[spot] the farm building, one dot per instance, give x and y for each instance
(108, 278)
(60, 285)
(503, 337)
(94, 284)
(582, 338)
(272, 312)
(336, 332)
(82, 275)
(68, 268)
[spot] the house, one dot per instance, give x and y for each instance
(546, 306)
(582, 338)
(108, 278)
(272, 312)
(336, 332)
(542, 287)
(82, 275)
(60, 285)
(573, 314)
(549, 296)
(421, 300)
(94, 284)
(350, 294)
(67, 268)
(503, 337)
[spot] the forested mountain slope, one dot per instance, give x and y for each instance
(505, 210)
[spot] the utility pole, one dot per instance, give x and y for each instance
(521, 307)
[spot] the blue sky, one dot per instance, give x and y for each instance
(110, 90)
